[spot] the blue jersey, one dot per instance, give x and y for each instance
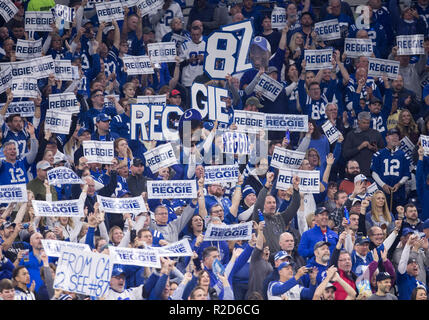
(14, 173)
(122, 185)
(377, 34)
(89, 117)
(20, 138)
(382, 16)
(121, 125)
(391, 166)
(315, 109)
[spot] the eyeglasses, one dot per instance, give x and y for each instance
(99, 95)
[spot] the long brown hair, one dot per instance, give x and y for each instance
(404, 130)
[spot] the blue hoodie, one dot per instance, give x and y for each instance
(311, 237)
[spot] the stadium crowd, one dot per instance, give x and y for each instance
(363, 236)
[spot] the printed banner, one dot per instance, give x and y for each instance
(58, 122)
(64, 102)
(134, 205)
(160, 157)
(63, 175)
(318, 59)
(136, 65)
(38, 21)
(370, 190)
(407, 146)
(135, 257)
(331, 132)
(425, 143)
(24, 87)
(156, 99)
(98, 151)
(268, 87)
(63, 70)
(310, 180)
(249, 121)
(7, 10)
(5, 78)
(66, 208)
(23, 108)
(109, 11)
(410, 45)
(64, 12)
(221, 174)
(181, 248)
(220, 232)
(278, 18)
(380, 67)
(328, 30)
(37, 68)
(236, 143)
(86, 273)
(53, 248)
(28, 49)
(151, 121)
(355, 48)
(160, 52)
(172, 189)
(13, 193)
(149, 6)
(284, 122)
(284, 158)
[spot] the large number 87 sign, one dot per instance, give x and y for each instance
(227, 50)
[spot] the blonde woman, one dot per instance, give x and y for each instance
(379, 215)
(407, 126)
(129, 90)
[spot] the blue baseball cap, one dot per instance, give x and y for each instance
(262, 43)
(82, 130)
(122, 193)
(283, 265)
(281, 255)
(102, 117)
(117, 271)
(407, 231)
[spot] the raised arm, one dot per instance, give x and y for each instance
(236, 196)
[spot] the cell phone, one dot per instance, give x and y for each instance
(25, 225)
(218, 267)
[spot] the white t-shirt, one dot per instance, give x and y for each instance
(191, 71)
(128, 294)
(163, 25)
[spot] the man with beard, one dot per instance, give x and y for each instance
(320, 261)
(384, 284)
(411, 215)
(352, 170)
(361, 143)
(408, 270)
